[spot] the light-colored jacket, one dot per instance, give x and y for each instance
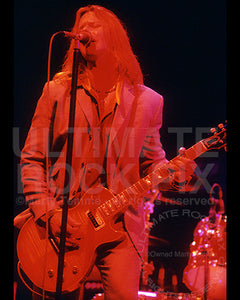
(134, 148)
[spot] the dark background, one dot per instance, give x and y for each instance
(181, 46)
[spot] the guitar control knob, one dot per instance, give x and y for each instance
(50, 273)
(75, 269)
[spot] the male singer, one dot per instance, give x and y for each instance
(116, 142)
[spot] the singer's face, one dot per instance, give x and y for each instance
(97, 46)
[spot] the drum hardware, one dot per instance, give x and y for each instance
(161, 277)
(206, 280)
(175, 283)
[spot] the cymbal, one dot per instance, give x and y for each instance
(156, 241)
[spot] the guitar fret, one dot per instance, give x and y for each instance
(133, 191)
(105, 209)
(147, 180)
(140, 184)
(156, 177)
(110, 206)
(146, 183)
(127, 193)
(116, 202)
(195, 150)
(157, 172)
(123, 199)
(135, 186)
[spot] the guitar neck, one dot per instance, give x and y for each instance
(160, 174)
(130, 195)
(194, 151)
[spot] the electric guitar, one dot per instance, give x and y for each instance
(38, 252)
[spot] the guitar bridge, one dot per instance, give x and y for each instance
(95, 219)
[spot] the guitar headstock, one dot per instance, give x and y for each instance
(217, 138)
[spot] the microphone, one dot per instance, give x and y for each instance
(84, 37)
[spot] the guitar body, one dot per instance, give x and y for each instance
(38, 256)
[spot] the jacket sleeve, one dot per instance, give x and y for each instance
(33, 158)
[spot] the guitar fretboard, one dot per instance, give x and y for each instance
(120, 202)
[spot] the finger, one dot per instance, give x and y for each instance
(185, 164)
(76, 232)
(187, 161)
(183, 169)
(72, 229)
(181, 176)
(69, 242)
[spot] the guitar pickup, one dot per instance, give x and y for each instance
(95, 219)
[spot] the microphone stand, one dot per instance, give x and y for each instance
(206, 271)
(67, 179)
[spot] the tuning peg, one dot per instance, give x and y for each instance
(181, 150)
(213, 130)
(220, 126)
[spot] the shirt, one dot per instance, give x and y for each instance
(103, 112)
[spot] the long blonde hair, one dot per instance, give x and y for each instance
(117, 40)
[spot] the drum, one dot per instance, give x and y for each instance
(194, 278)
(206, 269)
